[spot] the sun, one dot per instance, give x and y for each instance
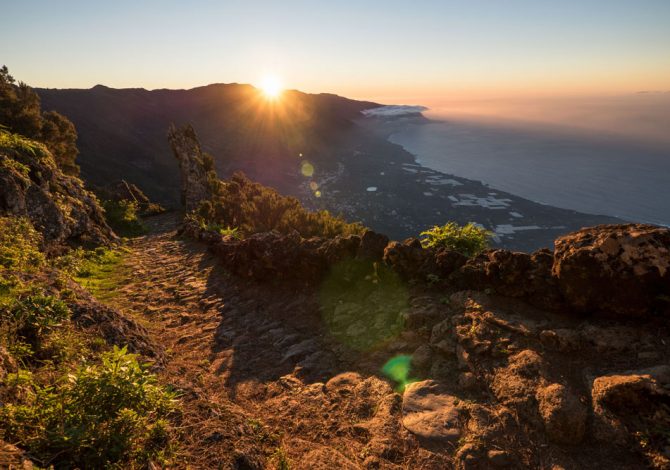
(271, 87)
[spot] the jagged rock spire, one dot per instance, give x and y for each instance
(186, 148)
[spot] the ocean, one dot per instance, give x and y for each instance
(590, 172)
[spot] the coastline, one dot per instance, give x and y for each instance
(390, 190)
(586, 174)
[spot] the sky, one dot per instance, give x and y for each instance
(420, 51)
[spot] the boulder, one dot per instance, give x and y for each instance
(422, 356)
(622, 402)
(517, 383)
(617, 269)
(432, 416)
(372, 245)
(409, 259)
(563, 414)
(512, 274)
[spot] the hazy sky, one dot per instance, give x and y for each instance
(419, 51)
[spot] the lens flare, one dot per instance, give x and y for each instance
(307, 169)
(363, 303)
(398, 369)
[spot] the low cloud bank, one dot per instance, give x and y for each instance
(394, 111)
(643, 117)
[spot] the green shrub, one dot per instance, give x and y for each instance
(255, 208)
(19, 143)
(21, 112)
(122, 217)
(108, 414)
(19, 245)
(34, 316)
(468, 240)
(225, 231)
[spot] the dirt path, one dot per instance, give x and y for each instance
(266, 382)
(253, 366)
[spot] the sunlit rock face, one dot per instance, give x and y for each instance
(186, 148)
(619, 269)
(58, 205)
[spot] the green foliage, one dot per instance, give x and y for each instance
(35, 315)
(98, 271)
(18, 143)
(255, 208)
(20, 111)
(122, 217)
(60, 136)
(225, 231)
(103, 415)
(280, 459)
(19, 245)
(468, 240)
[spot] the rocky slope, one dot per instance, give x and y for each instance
(355, 351)
(318, 148)
(505, 360)
(32, 185)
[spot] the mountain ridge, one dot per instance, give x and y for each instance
(122, 131)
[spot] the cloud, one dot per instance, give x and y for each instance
(394, 111)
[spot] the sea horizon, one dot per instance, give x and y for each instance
(587, 170)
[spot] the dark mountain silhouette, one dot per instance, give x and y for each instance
(122, 131)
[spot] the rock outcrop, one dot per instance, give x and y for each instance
(500, 352)
(611, 270)
(32, 185)
(195, 186)
(620, 269)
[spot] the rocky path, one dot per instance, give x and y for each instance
(261, 384)
(265, 384)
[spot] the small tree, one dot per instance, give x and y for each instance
(468, 240)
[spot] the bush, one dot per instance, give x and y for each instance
(106, 414)
(19, 245)
(255, 208)
(468, 240)
(122, 217)
(36, 315)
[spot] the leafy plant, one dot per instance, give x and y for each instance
(101, 415)
(19, 245)
(11, 141)
(225, 231)
(35, 315)
(280, 459)
(123, 217)
(254, 208)
(468, 240)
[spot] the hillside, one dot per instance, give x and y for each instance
(254, 334)
(122, 131)
(319, 148)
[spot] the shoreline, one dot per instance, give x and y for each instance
(572, 172)
(388, 189)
